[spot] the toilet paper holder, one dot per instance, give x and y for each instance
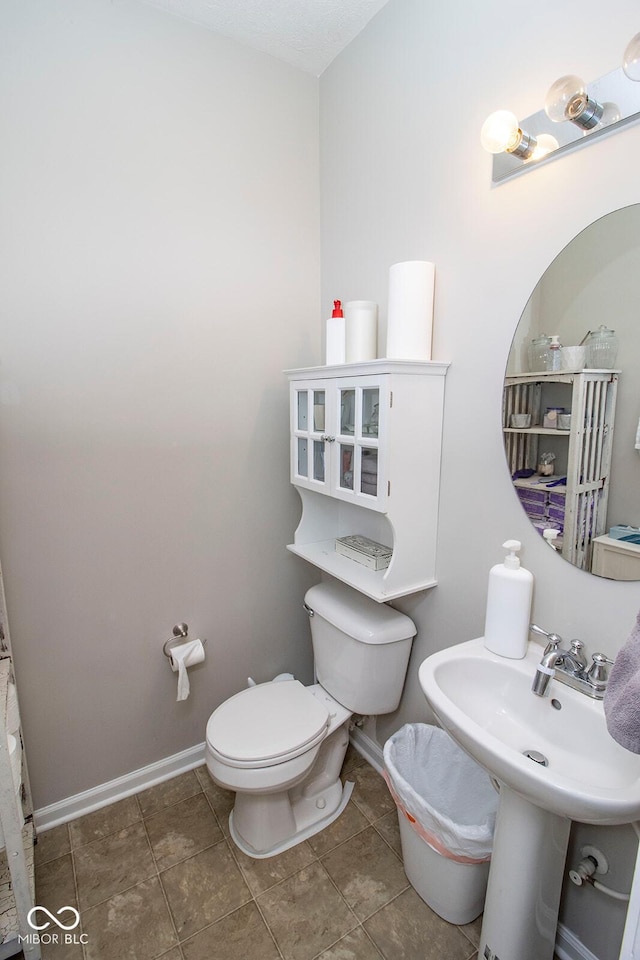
(180, 635)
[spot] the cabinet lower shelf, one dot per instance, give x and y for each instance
(372, 583)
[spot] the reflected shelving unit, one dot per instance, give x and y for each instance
(365, 459)
(583, 453)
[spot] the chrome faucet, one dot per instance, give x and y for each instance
(570, 667)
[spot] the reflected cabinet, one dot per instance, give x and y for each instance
(365, 459)
(560, 456)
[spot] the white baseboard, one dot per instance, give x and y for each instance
(81, 803)
(568, 947)
(367, 748)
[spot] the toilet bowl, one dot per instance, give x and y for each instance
(281, 746)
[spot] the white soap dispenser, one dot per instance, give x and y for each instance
(506, 628)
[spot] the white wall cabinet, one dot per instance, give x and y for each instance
(365, 459)
(583, 452)
(17, 837)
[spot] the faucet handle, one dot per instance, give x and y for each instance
(597, 672)
(553, 640)
(577, 648)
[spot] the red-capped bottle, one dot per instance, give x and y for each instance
(335, 336)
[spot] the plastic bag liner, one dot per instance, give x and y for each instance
(445, 795)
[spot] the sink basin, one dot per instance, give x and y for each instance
(485, 702)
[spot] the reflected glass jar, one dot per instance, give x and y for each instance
(539, 353)
(602, 349)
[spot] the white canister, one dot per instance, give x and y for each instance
(361, 330)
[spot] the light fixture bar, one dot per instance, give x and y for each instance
(618, 98)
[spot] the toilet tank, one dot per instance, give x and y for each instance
(361, 648)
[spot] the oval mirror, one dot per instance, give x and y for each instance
(571, 417)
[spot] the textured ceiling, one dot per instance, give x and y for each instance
(305, 33)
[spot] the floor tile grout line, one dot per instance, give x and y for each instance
(76, 890)
(266, 923)
(161, 885)
(118, 893)
(372, 941)
(168, 806)
(344, 899)
(225, 916)
(360, 926)
(465, 934)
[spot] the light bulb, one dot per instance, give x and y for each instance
(500, 132)
(567, 99)
(610, 113)
(546, 144)
(631, 60)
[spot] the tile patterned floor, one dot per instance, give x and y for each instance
(156, 876)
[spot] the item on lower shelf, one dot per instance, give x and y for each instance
(375, 556)
(624, 532)
(545, 464)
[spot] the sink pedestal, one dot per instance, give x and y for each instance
(525, 881)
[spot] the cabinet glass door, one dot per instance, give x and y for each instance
(308, 451)
(369, 472)
(347, 457)
(358, 428)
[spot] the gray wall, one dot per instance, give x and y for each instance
(404, 177)
(159, 268)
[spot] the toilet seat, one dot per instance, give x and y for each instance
(267, 724)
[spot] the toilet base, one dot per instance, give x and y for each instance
(304, 811)
(264, 824)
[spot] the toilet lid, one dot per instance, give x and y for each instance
(267, 722)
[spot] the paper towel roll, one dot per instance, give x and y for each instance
(410, 314)
(361, 330)
(183, 656)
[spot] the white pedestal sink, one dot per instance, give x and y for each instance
(485, 702)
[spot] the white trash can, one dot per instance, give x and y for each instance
(447, 809)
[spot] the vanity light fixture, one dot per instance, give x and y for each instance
(601, 108)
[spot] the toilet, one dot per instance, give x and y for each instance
(280, 746)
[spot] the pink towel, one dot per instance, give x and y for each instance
(622, 696)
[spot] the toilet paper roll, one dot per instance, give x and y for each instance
(410, 314)
(361, 330)
(183, 656)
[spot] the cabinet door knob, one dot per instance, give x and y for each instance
(327, 438)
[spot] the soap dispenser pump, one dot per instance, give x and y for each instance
(506, 629)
